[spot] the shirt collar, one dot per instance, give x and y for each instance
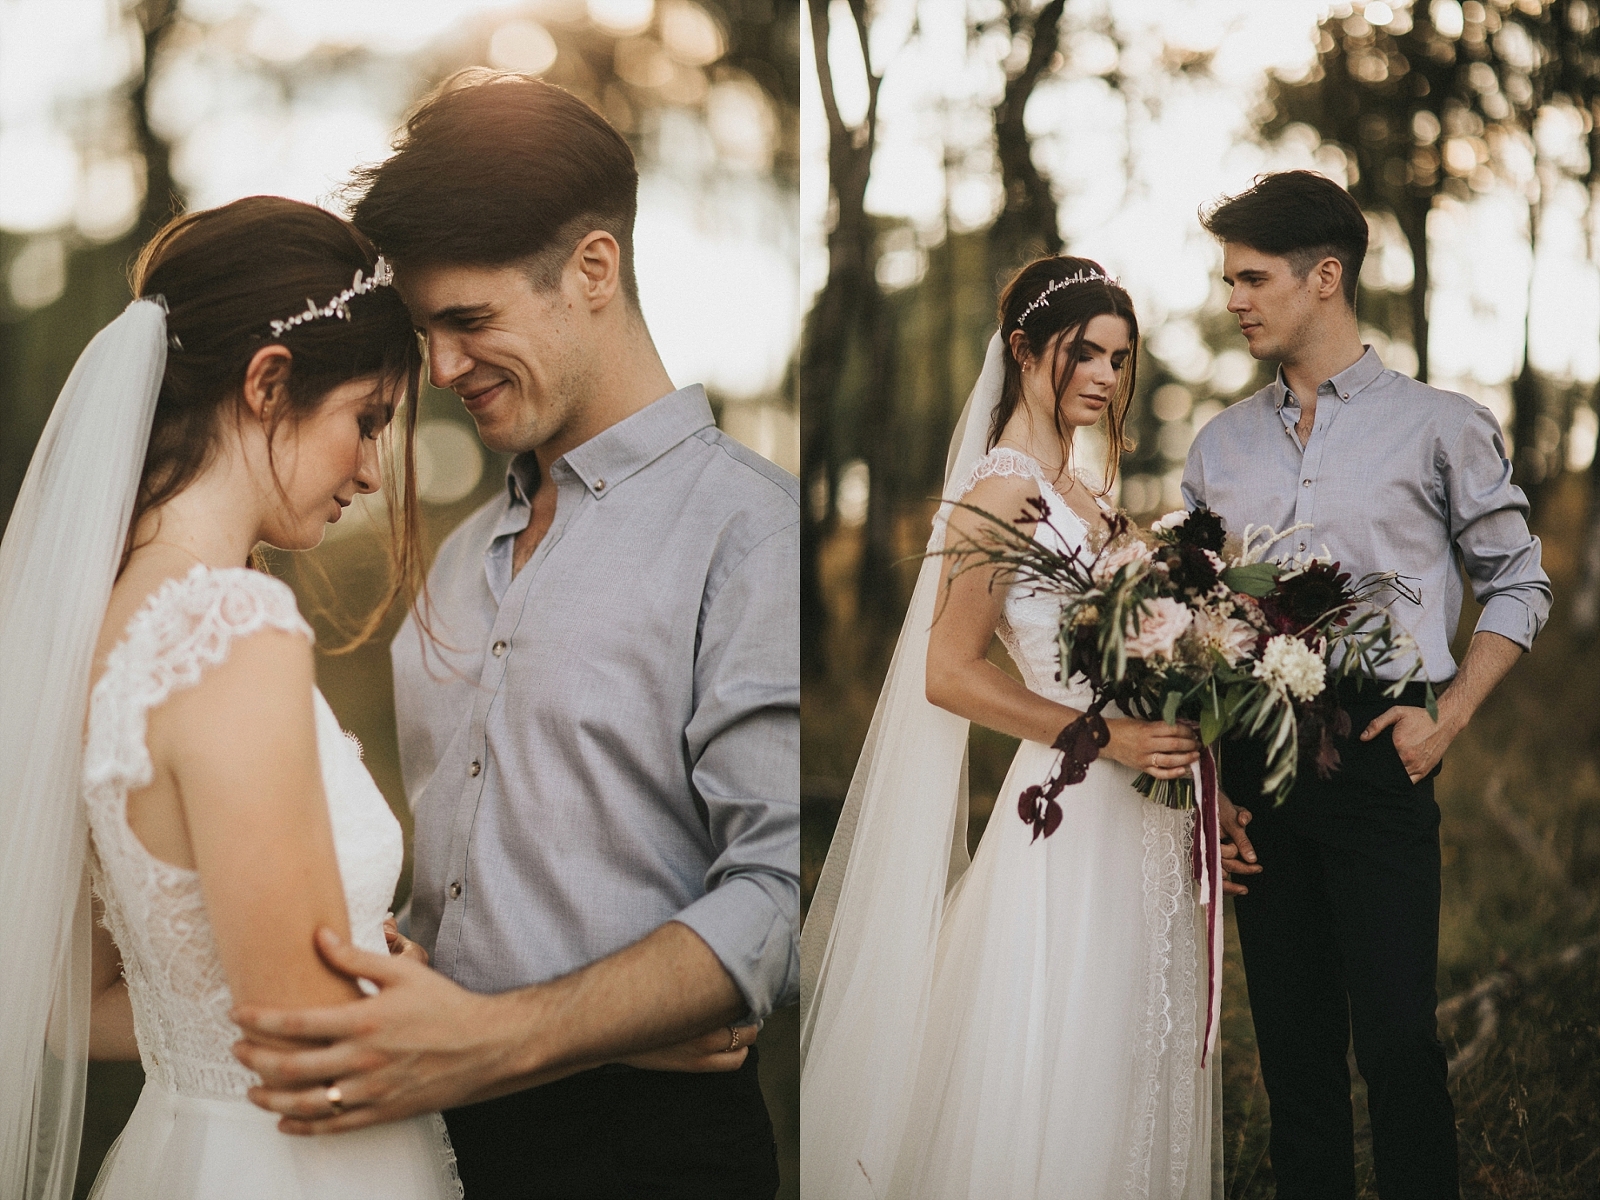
(1344, 385)
(625, 448)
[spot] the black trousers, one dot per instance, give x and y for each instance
(1340, 933)
(616, 1133)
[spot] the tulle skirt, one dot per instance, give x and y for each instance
(1062, 1048)
(190, 1148)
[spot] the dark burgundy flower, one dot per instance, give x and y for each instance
(1203, 530)
(1322, 722)
(1190, 568)
(1305, 597)
(1279, 618)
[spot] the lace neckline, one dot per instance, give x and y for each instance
(1043, 479)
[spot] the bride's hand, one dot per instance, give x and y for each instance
(1161, 751)
(708, 1052)
(400, 945)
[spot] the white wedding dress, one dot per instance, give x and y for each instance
(194, 1135)
(1060, 1045)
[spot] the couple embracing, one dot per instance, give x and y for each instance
(597, 691)
(1030, 1024)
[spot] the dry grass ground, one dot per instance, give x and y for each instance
(1520, 795)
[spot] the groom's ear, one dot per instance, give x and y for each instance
(597, 262)
(1328, 275)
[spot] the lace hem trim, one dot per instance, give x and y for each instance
(447, 1156)
(1167, 1019)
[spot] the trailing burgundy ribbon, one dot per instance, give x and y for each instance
(1206, 861)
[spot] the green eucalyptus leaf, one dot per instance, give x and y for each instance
(1253, 579)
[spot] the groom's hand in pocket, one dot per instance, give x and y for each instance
(1418, 739)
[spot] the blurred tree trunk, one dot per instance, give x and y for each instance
(157, 19)
(1026, 227)
(1529, 469)
(877, 594)
(1568, 34)
(850, 292)
(1413, 220)
(1586, 598)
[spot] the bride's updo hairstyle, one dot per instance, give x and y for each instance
(226, 274)
(1039, 302)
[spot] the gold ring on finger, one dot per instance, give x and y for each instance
(733, 1039)
(335, 1098)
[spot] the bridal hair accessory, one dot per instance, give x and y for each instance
(382, 276)
(1055, 285)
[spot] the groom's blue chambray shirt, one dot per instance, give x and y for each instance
(1396, 476)
(609, 739)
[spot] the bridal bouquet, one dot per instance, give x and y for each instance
(1181, 622)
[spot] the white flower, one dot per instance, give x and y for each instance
(1289, 664)
(1109, 563)
(1228, 636)
(1162, 622)
(1171, 521)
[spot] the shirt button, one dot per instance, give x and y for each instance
(498, 649)
(478, 766)
(475, 765)
(455, 890)
(1303, 483)
(599, 485)
(1344, 395)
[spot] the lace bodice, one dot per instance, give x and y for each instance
(1028, 622)
(154, 910)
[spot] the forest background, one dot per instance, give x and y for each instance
(116, 114)
(946, 142)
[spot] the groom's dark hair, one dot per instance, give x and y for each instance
(1298, 215)
(497, 168)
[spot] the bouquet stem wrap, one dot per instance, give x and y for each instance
(1206, 857)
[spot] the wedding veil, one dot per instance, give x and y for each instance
(867, 950)
(60, 556)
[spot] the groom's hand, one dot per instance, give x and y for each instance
(1238, 855)
(1418, 739)
(422, 1043)
(707, 1053)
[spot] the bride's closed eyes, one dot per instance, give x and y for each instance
(374, 421)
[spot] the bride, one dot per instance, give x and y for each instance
(1029, 1025)
(223, 816)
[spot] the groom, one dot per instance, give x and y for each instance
(1339, 916)
(597, 705)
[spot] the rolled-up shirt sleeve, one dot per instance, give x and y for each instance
(1489, 527)
(744, 744)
